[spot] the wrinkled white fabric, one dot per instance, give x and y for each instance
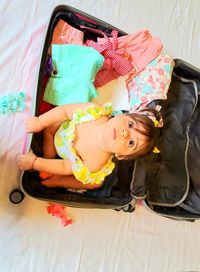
(98, 240)
(115, 92)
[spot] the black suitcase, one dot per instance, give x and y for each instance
(169, 183)
(164, 190)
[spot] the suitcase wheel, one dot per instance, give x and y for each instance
(118, 209)
(16, 196)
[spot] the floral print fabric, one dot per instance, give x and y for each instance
(151, 83)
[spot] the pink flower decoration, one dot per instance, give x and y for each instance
(150, 79)
(143, 99)
(160, 72)
(57, 210)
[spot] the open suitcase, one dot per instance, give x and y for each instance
(166, 183)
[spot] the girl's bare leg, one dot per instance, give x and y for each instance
(49, 150)
(69, 182)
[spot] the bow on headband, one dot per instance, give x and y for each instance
(157, 122)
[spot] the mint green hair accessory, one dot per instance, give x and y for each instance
(12, 103)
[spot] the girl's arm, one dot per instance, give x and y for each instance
(61, 170)
(57, 114)
(54, 166)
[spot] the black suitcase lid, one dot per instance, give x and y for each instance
(163, 179)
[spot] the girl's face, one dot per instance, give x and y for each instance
(121, 138)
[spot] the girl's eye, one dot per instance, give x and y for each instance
(130, 124)
(131, 143)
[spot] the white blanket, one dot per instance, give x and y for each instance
(98, 240)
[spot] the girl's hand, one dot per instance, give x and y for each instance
(26, 161)
(33, 124)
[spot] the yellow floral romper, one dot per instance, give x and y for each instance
(64, 144)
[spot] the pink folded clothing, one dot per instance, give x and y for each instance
(65, 34)
(134, 52)
(141, 47)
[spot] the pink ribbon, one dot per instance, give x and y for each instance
(57, 210)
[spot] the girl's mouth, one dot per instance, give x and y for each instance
(114, 133)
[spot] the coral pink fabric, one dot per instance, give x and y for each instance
(65, 34)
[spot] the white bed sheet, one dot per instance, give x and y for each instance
(98, 240)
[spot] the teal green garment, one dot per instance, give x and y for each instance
(74, 71)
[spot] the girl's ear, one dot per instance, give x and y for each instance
(119, 157)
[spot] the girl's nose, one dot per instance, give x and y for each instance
(124, 133)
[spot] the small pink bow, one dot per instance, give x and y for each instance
(57, 210)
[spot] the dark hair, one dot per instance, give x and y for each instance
(148, 130)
